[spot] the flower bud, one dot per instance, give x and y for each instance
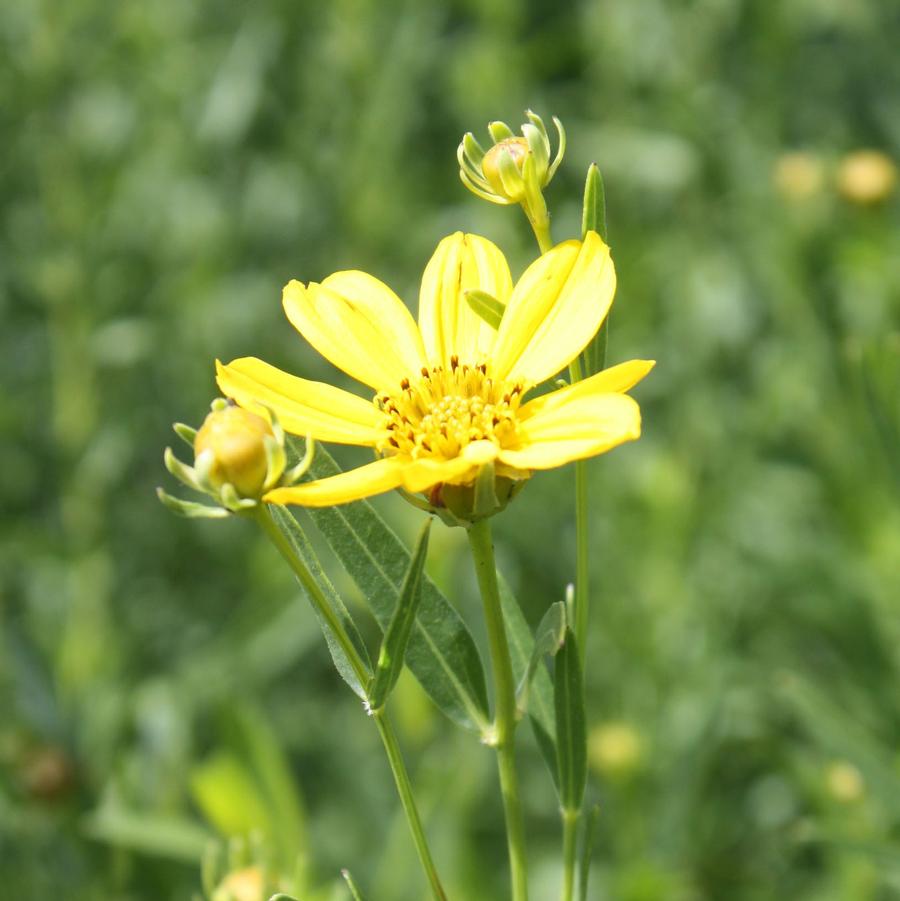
(233, 440)
(247, 884)
(866, 177)
(514, 169)
(238, 457)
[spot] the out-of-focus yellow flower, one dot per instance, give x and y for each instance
(866, 176)
(615, 749)
(233, 439)
(247, 884)
(844, 782)
(450, 394)
(798, 175)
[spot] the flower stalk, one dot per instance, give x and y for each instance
(363, 675)
(505, 720)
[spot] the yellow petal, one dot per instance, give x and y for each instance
(303, 407)
(422, 474)
(364, 481)
(556, 307)
(583, 427)
(459, 264)
(360, 325)
(615, 380)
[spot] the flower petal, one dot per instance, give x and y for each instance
(303, 407)
(422, 474)
(615, 380)
(364, 481)
(448, 325)
(556, 308)
(359, 324)
(582, 427)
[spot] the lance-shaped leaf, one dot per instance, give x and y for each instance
(571, 735)
(593, 214)
(396, 636)
(593, 219)
(441, 653)
(486, 306)
(300, 543)
(548, 639)
(540, 701)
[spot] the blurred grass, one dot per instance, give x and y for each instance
(166, 167)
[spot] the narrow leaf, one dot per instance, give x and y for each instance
(300, 543)
(441, 653)
(593, 216)
(587, 850)
(571, 736)
(486, 306)
(548, 639)
(396, 636)
(540, 702)
(351, 884)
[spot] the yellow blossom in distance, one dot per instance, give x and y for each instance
(450, 392)
(866, 176)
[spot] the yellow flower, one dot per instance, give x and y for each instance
(450, 394)
(866, 176)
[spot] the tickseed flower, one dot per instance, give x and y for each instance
(514, 169)
(238, 455)
(450, 416)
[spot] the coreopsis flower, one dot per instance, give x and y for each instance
(451, 416)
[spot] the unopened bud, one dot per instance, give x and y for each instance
(515, 168)
(242, 885)
(234, 441)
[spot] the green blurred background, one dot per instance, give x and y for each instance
(167, 166)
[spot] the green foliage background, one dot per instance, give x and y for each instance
(167, 166)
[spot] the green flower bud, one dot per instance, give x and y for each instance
(233, 440)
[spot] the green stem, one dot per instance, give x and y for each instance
(505, 721)
(540, 225)
(404, 789)
(582, 593)
(570, 835)
(385, 730)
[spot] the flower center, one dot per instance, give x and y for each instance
(443, 410)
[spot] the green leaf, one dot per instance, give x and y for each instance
(300, 543)
(351, 884)
(486, 306)
(540, 700)
(396, 636)
(593, 216)
(587, 849)
(159, 835)
(441, 653)
(571, 735)
(227, 794)
(549, 638)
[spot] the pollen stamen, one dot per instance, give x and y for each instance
(439, 414)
